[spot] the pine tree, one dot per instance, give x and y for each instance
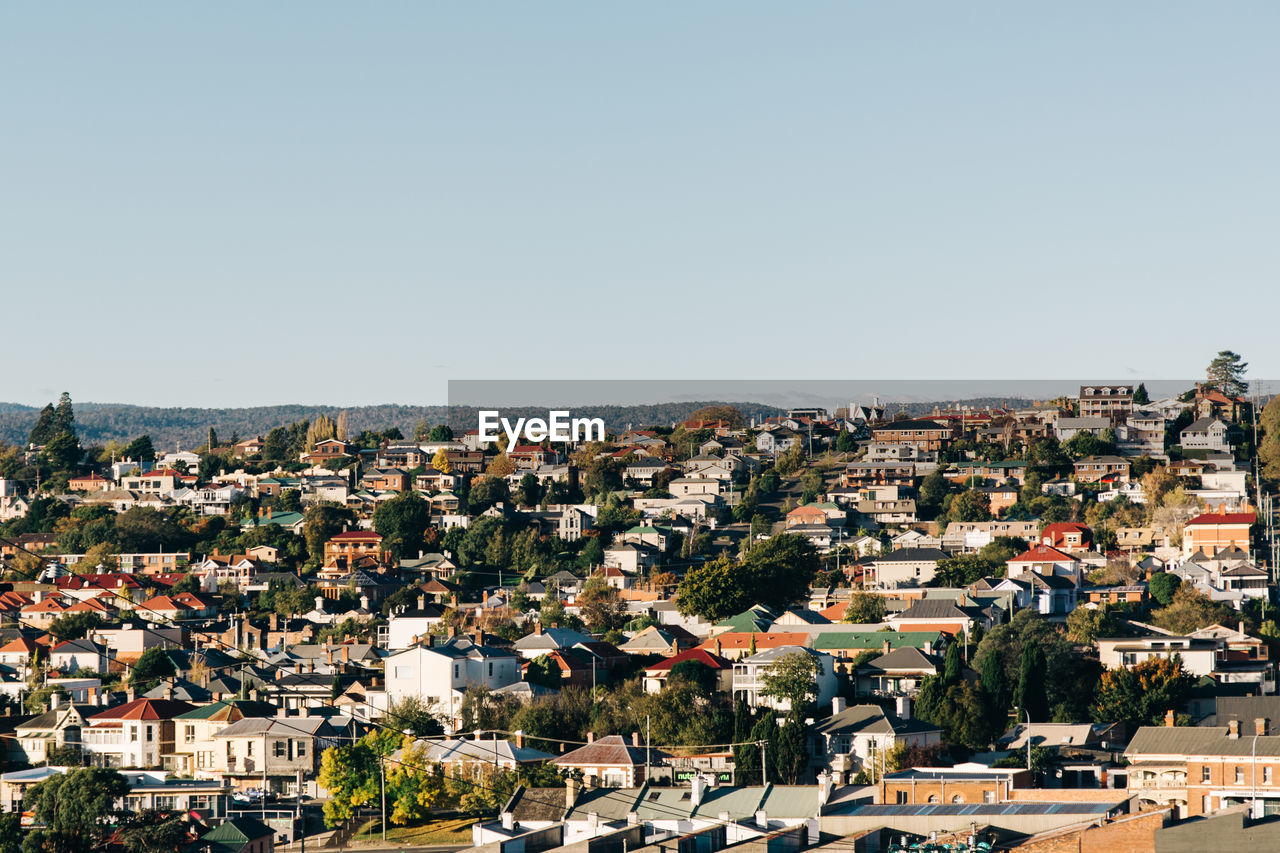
(1226, 373)
(951, 665)
(1030, 695)
(1140, 396)
(64, 417)
(43, 430)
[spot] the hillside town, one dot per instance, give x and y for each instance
(1035, 627)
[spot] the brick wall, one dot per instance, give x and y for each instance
(1131, 833)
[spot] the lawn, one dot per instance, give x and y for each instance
(453, 831)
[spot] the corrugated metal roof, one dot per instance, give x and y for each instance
(1199, 740)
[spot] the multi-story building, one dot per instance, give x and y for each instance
(924, 435)
(1198, 770)
(1113, 402)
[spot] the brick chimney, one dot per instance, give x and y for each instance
(537, 627)
(635, 738)
(1260, 726)
(519, 738)
(1233, 729)
(571, 790)
(886, 647)
(591, 737)
(1168, 718)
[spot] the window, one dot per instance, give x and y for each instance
(988, 796)
(902, 797)
(189, 734)
(1239, 775)
(278, 749)
(957, 799)
(300, 748)
(151, 732)
(133, 734)
(933, 798)
(249, 750)
(1204, 774)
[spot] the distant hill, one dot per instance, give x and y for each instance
(98, 423)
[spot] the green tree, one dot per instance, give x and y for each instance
(152, 665)
(1190, 610)
(933, 488)
(1163, 585)
(793, 680)
(71, 809)
(440, 432)
(776, 573)
(969, 506)
(1030, 695)
(351, 774)
(543, 671)
(140, 449)
(845, 442)
(1085, 625)
(1226, 373)
(865, 608)
(321, 522)
(1140, 395)
(530, 490)
(73, 626)
(1141, 695)
(602, 606)
(44, 428)
(403, 522)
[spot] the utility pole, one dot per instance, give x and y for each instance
(764, 762)
(382, 766)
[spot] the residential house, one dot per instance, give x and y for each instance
(441, 674)
(612, 762)
(270, 752)
(749, 675)
(1102, 469)
(1208, 533)
(905, 567)
(136, 734)
(923, 434)
(656, 675)
(1112, 402)
(855, 737)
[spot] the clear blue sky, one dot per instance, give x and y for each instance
(250, 203)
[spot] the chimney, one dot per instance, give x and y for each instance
(1168, 718)
(591, 737)
(422, 602)
(320, 603)
(902, 706)
(346, 653)
(479, 638)
(1260, 726)
(508, 821)
(537, 627)
(838, 704)
(718, 649)
(130, 694)
(1233, 729)
(273, 621)
(886, 647)
(431, 640)
(519, 738)
(55, 700)
(826, 784)
(453, 632)
(699, 784)
(635, 738)
(762, 819)
(571, 791)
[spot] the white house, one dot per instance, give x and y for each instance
(749, 676)
(440, 675)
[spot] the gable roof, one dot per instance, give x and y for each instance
(612, 750)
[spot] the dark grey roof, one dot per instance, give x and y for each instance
(912, 555)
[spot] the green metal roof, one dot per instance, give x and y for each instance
(873, 639)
